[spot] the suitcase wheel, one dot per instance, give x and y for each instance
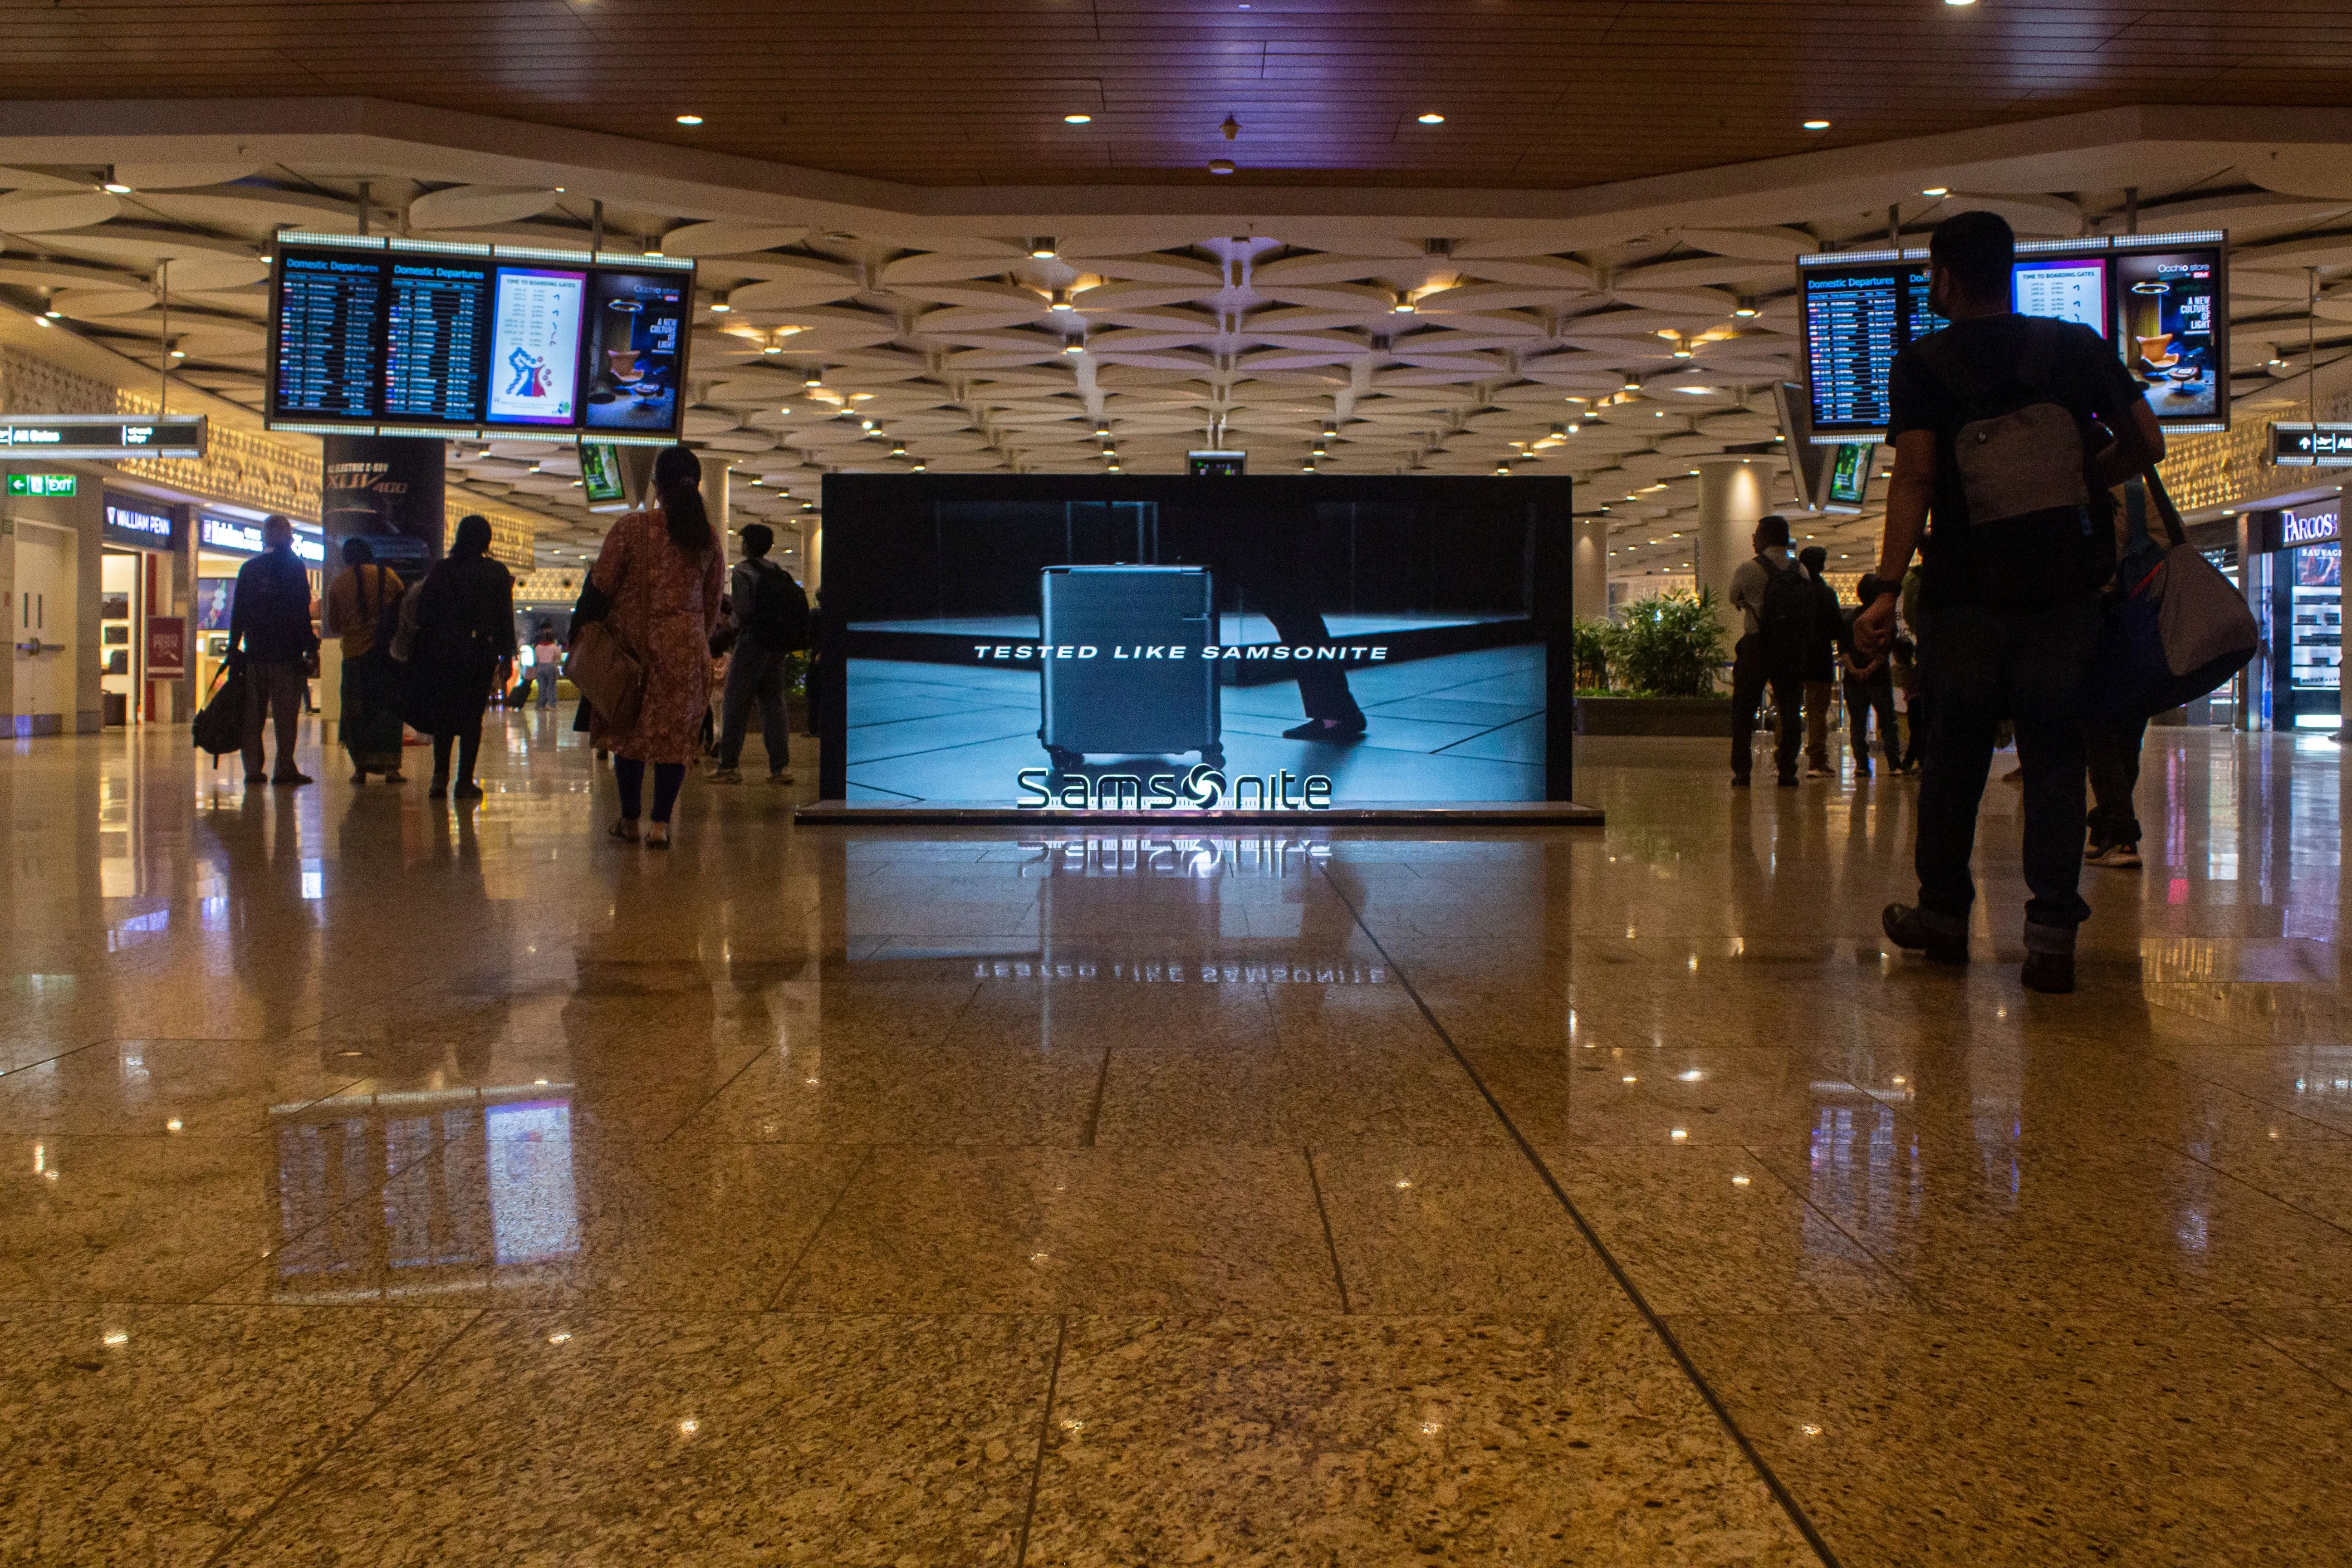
(1063, 758)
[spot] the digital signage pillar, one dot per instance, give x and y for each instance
(388, 490)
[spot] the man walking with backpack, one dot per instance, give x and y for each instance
(2010, 430)
(772, 622)
(1775, 599)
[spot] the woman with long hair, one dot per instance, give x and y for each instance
(465, 643)
(661, 570)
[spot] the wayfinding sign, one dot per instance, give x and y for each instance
(103, 436)
(2311, 446)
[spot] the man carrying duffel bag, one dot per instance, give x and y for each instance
(2010, 430)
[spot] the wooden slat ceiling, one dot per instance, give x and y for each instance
(1534, 92)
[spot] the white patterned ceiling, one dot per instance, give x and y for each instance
(1623, 354)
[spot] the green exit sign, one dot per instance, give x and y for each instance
(40, 484)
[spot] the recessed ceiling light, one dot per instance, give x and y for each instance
(689, 120)
(1817, 125)
(1433, 120)
(1959, 1)
(1937, 191)
(1221, 165)
(1077, 119)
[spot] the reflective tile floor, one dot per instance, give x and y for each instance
(384, 1185)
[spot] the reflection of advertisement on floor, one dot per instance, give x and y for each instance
(1337, 657)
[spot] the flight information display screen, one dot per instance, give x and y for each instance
(535, 346)
(2158, 300)
(433, 340)
(433, 334)
(1857, 319)
(330, 332)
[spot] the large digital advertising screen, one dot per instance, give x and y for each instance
(1184, 644)
(409, 335)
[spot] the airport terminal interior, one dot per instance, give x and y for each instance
(1251, 1023)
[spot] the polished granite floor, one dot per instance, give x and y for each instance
(387, 1185)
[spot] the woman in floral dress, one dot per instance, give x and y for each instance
(662, 571)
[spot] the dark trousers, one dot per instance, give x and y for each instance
(1749, 678)
(2113, 754)
(755, 675)
(1863, 699)
(630, 774)
(273, 693)
(2032, 668)
(1915, 723)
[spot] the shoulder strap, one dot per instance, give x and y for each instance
(2041, 356)
(2159, 499)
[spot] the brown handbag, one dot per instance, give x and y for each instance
(607, 673)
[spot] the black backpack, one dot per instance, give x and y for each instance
(2037, 533)
(778, 618)
(1785, 619)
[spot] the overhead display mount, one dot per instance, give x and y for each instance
(383, 336)
(2160, 299)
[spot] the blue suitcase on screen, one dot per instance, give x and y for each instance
(1137, 705)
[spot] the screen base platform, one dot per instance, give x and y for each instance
(1401, 813)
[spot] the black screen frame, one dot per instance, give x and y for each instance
(856, 555)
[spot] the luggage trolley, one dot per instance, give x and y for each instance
(1132, 706)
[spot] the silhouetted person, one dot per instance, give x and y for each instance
(269, 633)
(464, 644)
(2030, 422)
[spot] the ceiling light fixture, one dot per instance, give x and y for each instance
(112, 186)
(813, 379)
(1745, 309)
(721, 307)
(1075, 346)
(1817, 125)
(1938, 192)
(1077, 119)
(1433, 120)
(689, 120)
(1061, 300)
(1221, 165)
(1043, 248)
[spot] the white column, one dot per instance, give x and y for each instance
(1733, 492)
(1588, 594)
(714, 498)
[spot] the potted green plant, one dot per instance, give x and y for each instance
(1662, 654)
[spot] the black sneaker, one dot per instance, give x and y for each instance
(1905, 928)
(1789, 781)
(2051, 972)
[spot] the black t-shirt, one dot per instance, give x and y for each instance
(2085, 377)
(1883, 675)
